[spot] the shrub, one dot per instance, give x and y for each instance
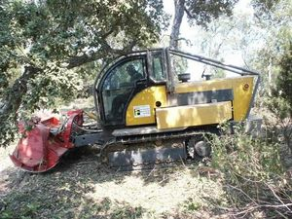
(252, 175)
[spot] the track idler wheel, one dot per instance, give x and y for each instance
(198, 146)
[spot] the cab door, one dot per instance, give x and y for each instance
(118, 86)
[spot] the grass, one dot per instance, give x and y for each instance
(82, 187)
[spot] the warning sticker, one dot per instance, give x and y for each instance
(142, 111)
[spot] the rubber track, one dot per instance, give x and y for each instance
(154, 137)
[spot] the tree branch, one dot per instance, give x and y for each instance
(82, 59)
(188, 13)
(100, 54)
(13, 99)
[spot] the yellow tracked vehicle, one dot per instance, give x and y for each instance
(149, 111)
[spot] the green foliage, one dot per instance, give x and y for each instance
(284, 82)
(264, 6)
(42, 41)
(23, 205)
(252, 173)
(26, 211)
(204, 11)
(278, 106)
(280, 103)
(190, 206)
(54, 83)
(241, 155)
(271, 34)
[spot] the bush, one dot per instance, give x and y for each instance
(281, 101)
(252, 174)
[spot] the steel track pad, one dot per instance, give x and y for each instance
(145, 158)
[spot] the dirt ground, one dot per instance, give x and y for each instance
(81, 187)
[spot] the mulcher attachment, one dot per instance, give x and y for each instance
(41, 147)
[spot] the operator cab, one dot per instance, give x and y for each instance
(119, 83)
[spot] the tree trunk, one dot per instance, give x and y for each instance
(12, 100)
(11, 103)
(178, 16)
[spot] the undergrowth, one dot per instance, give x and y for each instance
(253, 176)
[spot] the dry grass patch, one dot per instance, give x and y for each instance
(161, 191)
(81, 187)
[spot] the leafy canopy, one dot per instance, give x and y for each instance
(42, 41)
(202, 12)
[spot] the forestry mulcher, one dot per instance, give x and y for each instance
(148, 112)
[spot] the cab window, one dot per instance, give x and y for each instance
(118, 86)
(158, 73)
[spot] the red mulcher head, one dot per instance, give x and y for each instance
(41, 147)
